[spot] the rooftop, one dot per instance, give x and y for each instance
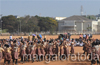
(76, 17)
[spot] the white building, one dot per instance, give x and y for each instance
(98, 26)
(17, 16)
(77, 23)
(60, 18)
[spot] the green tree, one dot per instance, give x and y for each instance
(9, 22)
(47, 24)
(29, 24)
(91, 17)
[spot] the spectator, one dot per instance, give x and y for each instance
(80, 36)
(10, 37)
(69, 36)
(84, 36)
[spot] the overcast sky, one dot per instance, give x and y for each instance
(51, 8)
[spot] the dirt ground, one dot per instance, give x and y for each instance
(49, 36)
(58, 62)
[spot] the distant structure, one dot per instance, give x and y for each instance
(17, 16)
(81, 10)
(78, 23)
(97, 16)
(60, 18)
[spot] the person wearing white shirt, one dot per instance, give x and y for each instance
(10, 37)
(84, 36)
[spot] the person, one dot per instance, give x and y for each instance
(69, 36)
(62, 50)
(50, 50)
(89, 49)
(33, 51)
(15, 53)
(95, 53)
(1, 49)
(28, 51)
(21, 37)
(66, 49)
(29, 38)
(72, 47)
(81, 44)
(84, 36)
(87, 37)
(55, 49)
(80, 36)
(7, 54)
(80, 40)
(10, 37)
(33, 38)
(42, 51)
(84, 47)
(66, 36)
(38, 51)
(44, 38)
(23, 52)
(90, 36)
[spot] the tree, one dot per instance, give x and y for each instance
(9, 22)
(47, 24)
(89, 28)
(91, 17)
(29, 24)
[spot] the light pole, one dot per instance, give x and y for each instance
(1, 26)
(18, 29)
(20, 26)
(1, 23)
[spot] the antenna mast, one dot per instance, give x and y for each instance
(81, 10)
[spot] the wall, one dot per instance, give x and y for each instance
(69, 23)
(86, 25)
(94, 26)
(59, 25)
(98, 27)
(68, 29)
(78, 26)
(65, 25)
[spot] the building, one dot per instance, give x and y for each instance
(77, 23)
(98, 26)
(17, 16)
(98, 16)
(60, 18)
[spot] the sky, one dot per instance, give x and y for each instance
(50, 8)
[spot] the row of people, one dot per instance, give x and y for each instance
(37, 46)
(21, 48)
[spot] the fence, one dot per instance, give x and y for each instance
(48, 33)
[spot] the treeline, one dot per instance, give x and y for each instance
(28, 24)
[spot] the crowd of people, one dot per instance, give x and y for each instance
(19, 47)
